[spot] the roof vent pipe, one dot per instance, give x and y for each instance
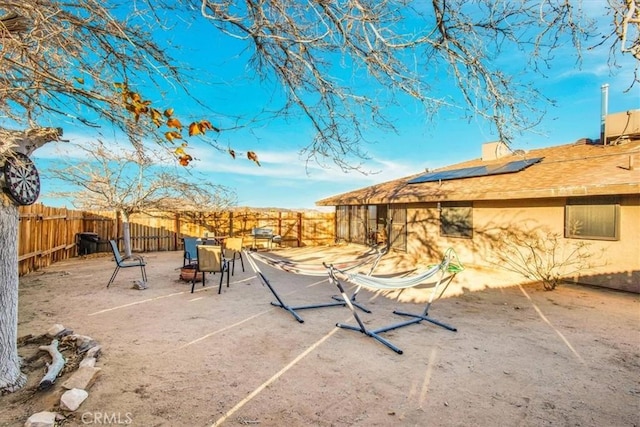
(604, 108)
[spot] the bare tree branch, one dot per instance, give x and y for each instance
(60, 61)
(119, 180)
(310, 46)
(323, 55)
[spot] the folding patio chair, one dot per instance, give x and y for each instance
(126, 262)
(190, 255)
(210, 260)
(233, 251)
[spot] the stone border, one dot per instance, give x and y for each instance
(78, 384)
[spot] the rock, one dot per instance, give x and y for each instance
(72, 399)
(64, 333)
(83, 378)
(94, 352)
(83, 342)
(55, 330)
(140, 285)
(41, 419)
(86, 346)
(80, 339)
(88, 361)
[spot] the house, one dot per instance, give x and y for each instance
(582, 197)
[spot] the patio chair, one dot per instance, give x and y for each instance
(210, 260)
(126, 262)
(190, 255)
(233, 251)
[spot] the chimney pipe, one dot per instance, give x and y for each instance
(604, 108)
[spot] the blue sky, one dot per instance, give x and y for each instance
(284, 180)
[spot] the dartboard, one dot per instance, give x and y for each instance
(21, 179)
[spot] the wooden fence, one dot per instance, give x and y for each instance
(48, 235)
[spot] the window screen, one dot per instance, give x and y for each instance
(456, 219)
(594, 218)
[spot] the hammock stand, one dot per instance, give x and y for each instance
(295, 268)
(450, 265)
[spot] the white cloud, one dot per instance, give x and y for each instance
(287, 165)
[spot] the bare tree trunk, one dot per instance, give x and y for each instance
(25, 142)
(126, 234)
(11, 378)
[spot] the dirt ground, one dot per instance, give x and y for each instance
(521, 356)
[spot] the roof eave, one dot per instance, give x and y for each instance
(568, 191)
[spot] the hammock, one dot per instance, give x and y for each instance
(450, 265)
(318, 269)
(391, 282)
(309, 269)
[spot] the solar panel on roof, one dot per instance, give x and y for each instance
(476, 171)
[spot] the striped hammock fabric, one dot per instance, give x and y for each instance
(318, 269)
(449, 264)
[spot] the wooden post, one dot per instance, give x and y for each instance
(117, 227)
(176, 233)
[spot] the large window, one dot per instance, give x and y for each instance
(456, 219)
(368, 225)
(596, 218)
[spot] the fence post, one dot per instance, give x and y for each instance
(279, 233)
(117, 227)
(46, 236)
(176, 233)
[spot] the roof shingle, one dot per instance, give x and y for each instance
(565, 170)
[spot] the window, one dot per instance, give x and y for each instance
(367, 224)
(456, 219)
(596, 218)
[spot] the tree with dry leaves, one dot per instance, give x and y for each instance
(321, 52)
(58, 65)
(119, 180)
(626, 27)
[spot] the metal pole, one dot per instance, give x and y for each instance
(604, 111)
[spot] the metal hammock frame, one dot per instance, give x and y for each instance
(313, 270)
(450, 265)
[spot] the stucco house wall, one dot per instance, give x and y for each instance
(491, 201)
(614, 264)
